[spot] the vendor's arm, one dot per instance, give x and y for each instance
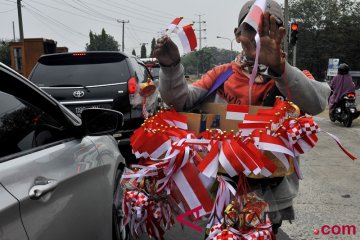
(175, 90)
(173, 86)
(310, 95)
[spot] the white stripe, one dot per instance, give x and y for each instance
(170, 28)
(184, 41)
(304, 146)
(235, 116)
(275, 148)
(212, 168)
(282, 159)
(187, 192)
(265, 172)
(226, 164)
(246, 131)
(181, 125)
(247, 170)
(161, 150)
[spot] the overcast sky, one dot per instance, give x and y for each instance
(69, 21)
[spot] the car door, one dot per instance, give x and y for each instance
(10, 222)
(58, 179)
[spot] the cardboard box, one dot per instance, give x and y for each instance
(209, 110)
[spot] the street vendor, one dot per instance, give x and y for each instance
(275, 77)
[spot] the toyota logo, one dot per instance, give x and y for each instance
(78, 94)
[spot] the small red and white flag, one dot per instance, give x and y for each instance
(255, 14)
(236, 112)
(172, 27)
(187, 38)
(254, 18)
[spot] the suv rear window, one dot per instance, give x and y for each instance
(69, 70)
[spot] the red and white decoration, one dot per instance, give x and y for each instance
(180, 165)
(173, 26)
(187, 38)
(186, 34)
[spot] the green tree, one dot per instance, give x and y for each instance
(153, 43)
(5, 52)
(201, 61)
(143, 51)
(133, 52)
(102, 42)
(327, 29)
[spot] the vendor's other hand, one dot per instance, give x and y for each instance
(166, 51)
(271, 36)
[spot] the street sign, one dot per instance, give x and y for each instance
(333, 67)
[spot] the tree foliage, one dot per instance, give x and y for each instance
(201, 61)
(143, 51)
(153, 43)
(327, 29)
(102, 42)
(5, 52)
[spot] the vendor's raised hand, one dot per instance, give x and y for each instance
(271, 36)
(166, 51)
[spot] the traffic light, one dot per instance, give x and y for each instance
(294, 32)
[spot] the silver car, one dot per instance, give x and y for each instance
(58, 174)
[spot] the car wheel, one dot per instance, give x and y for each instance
(120, 232)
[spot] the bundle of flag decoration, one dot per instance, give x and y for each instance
(186, 34)
(177, 167)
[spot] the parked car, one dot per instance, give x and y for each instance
(97, 80)
(59, 174)
(153, 65)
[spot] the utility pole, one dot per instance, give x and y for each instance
(123, 32)
(13, 30)
(21, 31)
(286, 26)
(200, 30)
(294, 56)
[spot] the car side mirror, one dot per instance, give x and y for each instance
(99, 121)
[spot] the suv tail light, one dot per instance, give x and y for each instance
(132, 85)
(351, 95)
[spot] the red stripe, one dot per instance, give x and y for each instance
(197, 186)
(298, 148)
(267, 163)
(246, 155)
(308, 141)
(262, 118)
(237, 108)
(253, 125)
(352, 157)
(156, 141)
(176, 21)
(209, 157)
(172, 115)
(256, 14)
(190, 34)
(232, 159)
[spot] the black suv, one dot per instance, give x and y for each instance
(95, 80)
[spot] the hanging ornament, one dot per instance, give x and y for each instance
(147, 89)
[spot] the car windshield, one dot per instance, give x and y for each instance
(155, 72)
(80, 74)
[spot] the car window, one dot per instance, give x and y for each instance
(88, 74)
(141, 71)
(24, 126)
(155, 72)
